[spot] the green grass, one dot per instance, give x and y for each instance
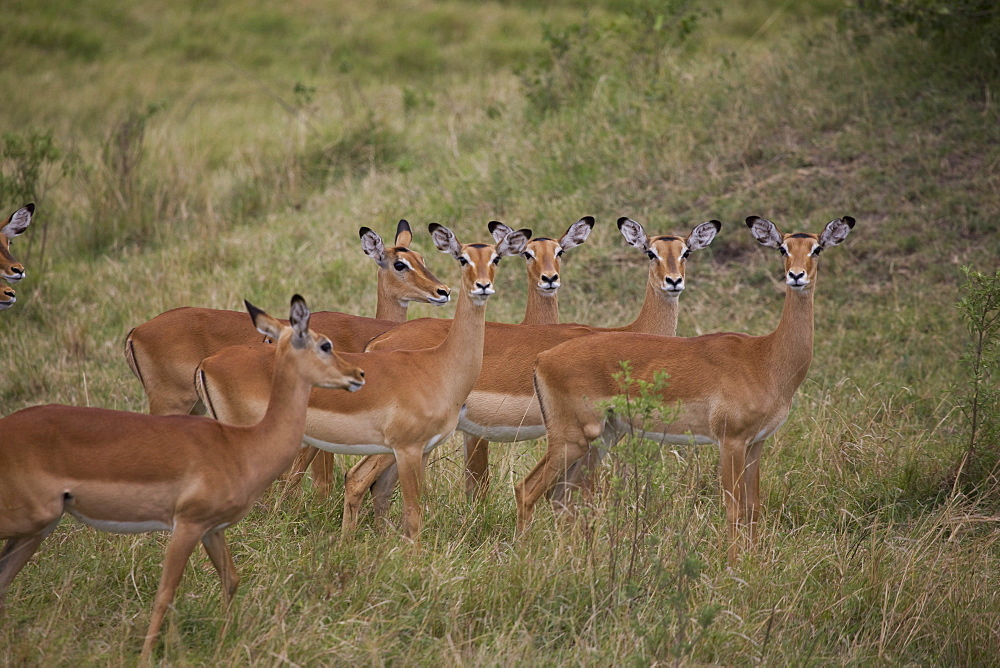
(271, 134)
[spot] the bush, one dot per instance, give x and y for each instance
(966, 33)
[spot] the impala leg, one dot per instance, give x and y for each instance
(357, 481)
(410, 464)
(305, 456)
(322, 474)
(182, 543)
(733, 469)
(581, 476)
(477, 467)
(751, 489)
(382, 490)
(547, 472)
(16, 553)
(218, 551)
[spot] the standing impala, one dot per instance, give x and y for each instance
(164, 352)
(502, 406)
(734, 390)
(412, 399)
(543, 261)
(131, 473)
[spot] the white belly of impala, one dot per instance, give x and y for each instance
(678, 439)
(502, 418)
(121, 527)
(502, 433)
(362, 449)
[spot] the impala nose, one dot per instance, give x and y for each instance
(798, 278)
(673, 284)
(443, 292)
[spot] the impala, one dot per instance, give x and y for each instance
(502, 406)
(7, 297)
(16, 223)
(412, 398)
(543, 260)
(164, 352)
(194, 478)
(733, 390)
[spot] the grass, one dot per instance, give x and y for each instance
(271, 134)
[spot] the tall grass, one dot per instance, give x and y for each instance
(228, 152)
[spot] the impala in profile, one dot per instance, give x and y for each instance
(734, 390)
(132, 473)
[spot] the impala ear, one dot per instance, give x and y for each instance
(265, 324)
(371, 244)
(18, 221)
(764, 231)
(499, 230)
(577, 233)
(633, 233)
(703, 235)
(404, 237)
(444, 239)
(514, 243)
(298, 316)
(836, 231)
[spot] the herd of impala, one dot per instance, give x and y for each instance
(410, 385)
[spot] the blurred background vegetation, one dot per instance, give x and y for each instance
(199, 153)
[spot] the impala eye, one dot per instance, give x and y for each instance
(496, 260)
(399, 266)
(462, 261)
(817, 251)
(783, 250)
(685, 254)
(560, 252)
(326, 347)
(528, 255)
(651, 255)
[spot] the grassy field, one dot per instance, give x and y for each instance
(206, 153)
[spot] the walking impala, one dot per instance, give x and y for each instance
(502, 406)
(193, 476)
(412, 399)
(543, 261)
(164, 352)
(734, 390)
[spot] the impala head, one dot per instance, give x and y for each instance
(16, 223)
(544, 255)
(479, 261)
(668, 254)
(7, 297)
(800, 249)
(314, 355)
(401, 271)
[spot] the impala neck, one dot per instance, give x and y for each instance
(464, 344)
(279, 433)
(541, 310)
(657, 316)
(388, 307)
(791, 343)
